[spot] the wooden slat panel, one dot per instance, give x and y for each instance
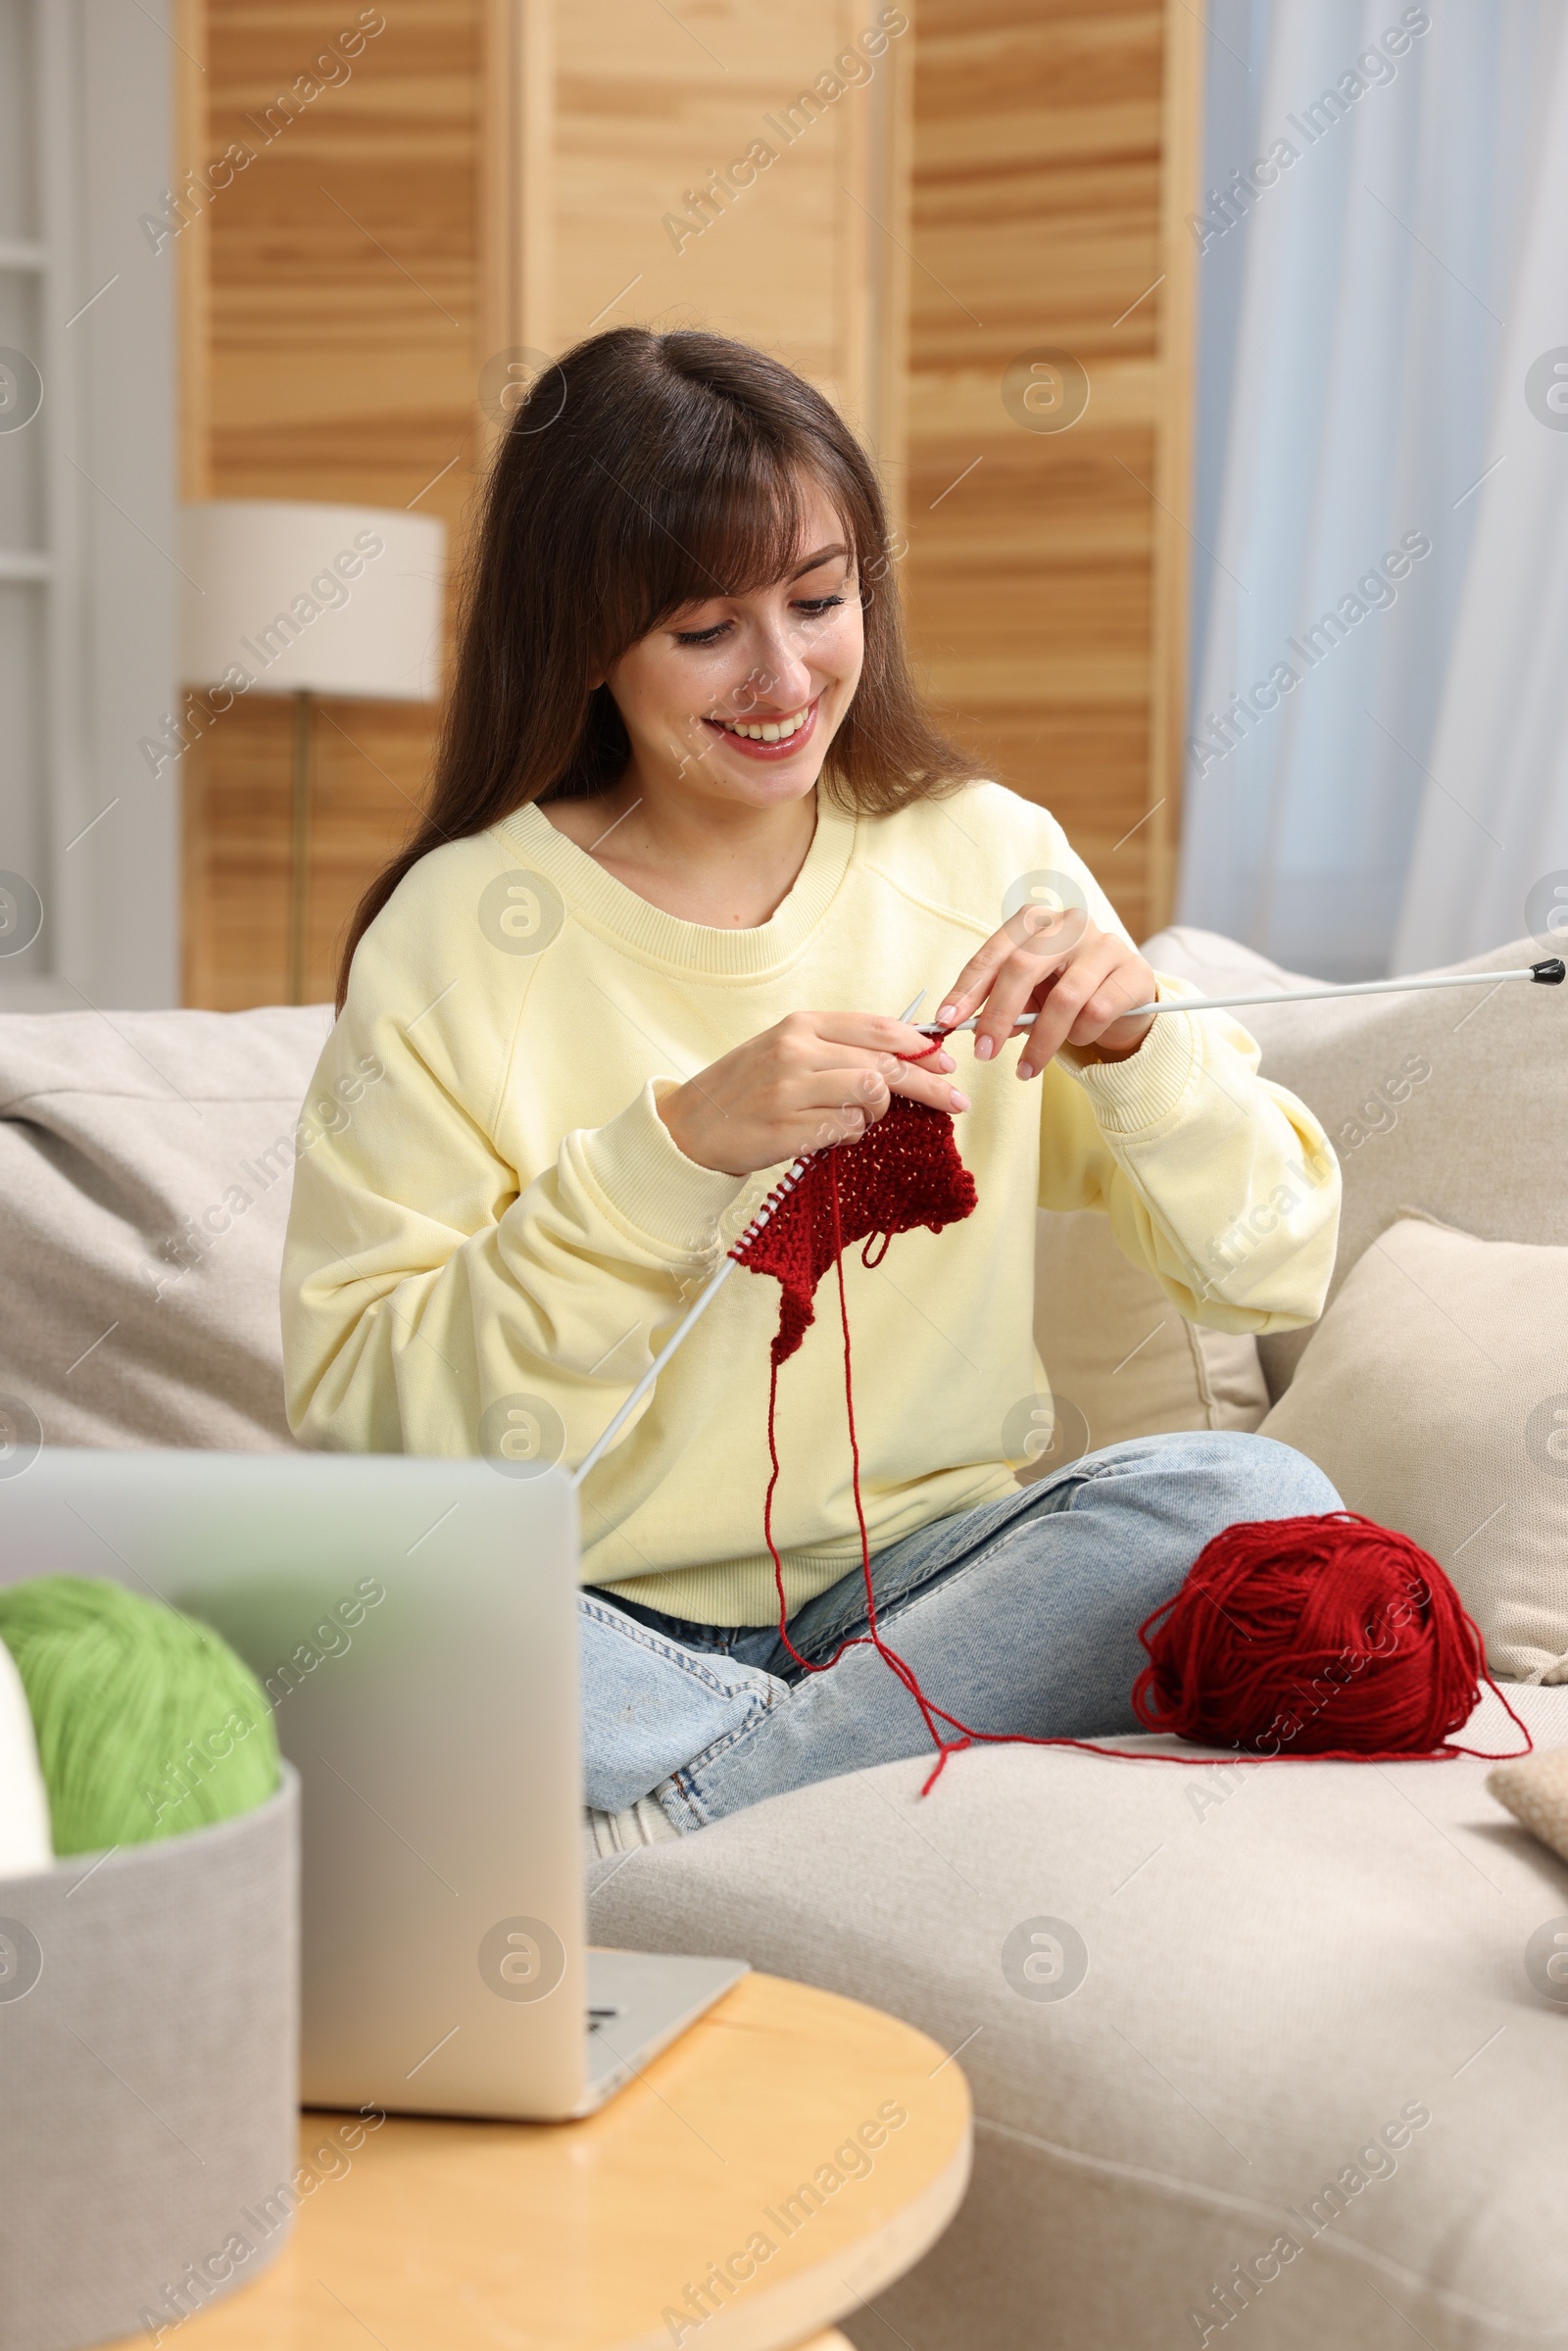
(343, 360)
(650, 102)
(1174, 434)
(369, 769)
(495, 172)
(1041, 190)
(194, 259)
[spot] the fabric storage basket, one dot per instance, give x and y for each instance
(149, 2078)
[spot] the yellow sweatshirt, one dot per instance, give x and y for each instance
(491, 1246)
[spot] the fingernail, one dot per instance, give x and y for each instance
(1024, 1070)
(960, 1101)
(946, 1014)
(984, 1049)
(945, 1063)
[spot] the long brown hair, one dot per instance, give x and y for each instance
(640, 473)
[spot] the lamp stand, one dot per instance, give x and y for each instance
(299, 853)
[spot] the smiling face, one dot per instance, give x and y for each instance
(737, 698)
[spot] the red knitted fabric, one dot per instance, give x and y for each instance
(904, 1171)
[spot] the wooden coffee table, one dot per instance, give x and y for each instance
(791, 2155)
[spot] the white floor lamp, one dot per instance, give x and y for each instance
(309, 601)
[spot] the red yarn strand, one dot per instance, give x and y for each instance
(1271, 1633)
(872, 1635)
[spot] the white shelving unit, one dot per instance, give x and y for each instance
(87, 503)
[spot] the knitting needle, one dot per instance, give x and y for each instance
(693, 1314)
(700, 1304)
(613, 1428)
(1549, 974)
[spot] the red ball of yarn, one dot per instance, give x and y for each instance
(1328, 1636)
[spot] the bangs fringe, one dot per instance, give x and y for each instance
(726, 520)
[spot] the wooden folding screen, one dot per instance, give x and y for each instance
(434, 188)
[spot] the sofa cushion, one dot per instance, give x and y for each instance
(1120, 1360)
(1453, 1102)
(1435, 1395)
(1189, 2003)
(146, 1162)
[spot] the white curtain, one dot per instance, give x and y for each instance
(1367, 299)
(1501, 738)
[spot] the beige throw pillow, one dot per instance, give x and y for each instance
(146, 1162)
(1435, 1394)
(1415, 1092)
(1121, 1360)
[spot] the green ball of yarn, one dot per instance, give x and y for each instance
(146, 1722)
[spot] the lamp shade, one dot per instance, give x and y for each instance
(317, 598)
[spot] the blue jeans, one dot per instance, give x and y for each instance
(1021, 1614)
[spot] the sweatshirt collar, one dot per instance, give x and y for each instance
(605, 906)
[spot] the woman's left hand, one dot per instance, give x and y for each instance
(1077, 979)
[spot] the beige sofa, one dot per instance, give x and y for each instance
(1295, 2074)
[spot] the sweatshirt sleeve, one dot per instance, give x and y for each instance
(1221, 1184)
(433, 1302)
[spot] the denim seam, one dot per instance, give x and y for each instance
(685, 1781)
(687, 1660)
(1015, 1530)
(691, 1803)
(839, 1627)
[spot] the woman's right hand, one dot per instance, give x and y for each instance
(817, 1079)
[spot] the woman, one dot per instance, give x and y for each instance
(692, 843)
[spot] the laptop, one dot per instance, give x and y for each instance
(415, 1626)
